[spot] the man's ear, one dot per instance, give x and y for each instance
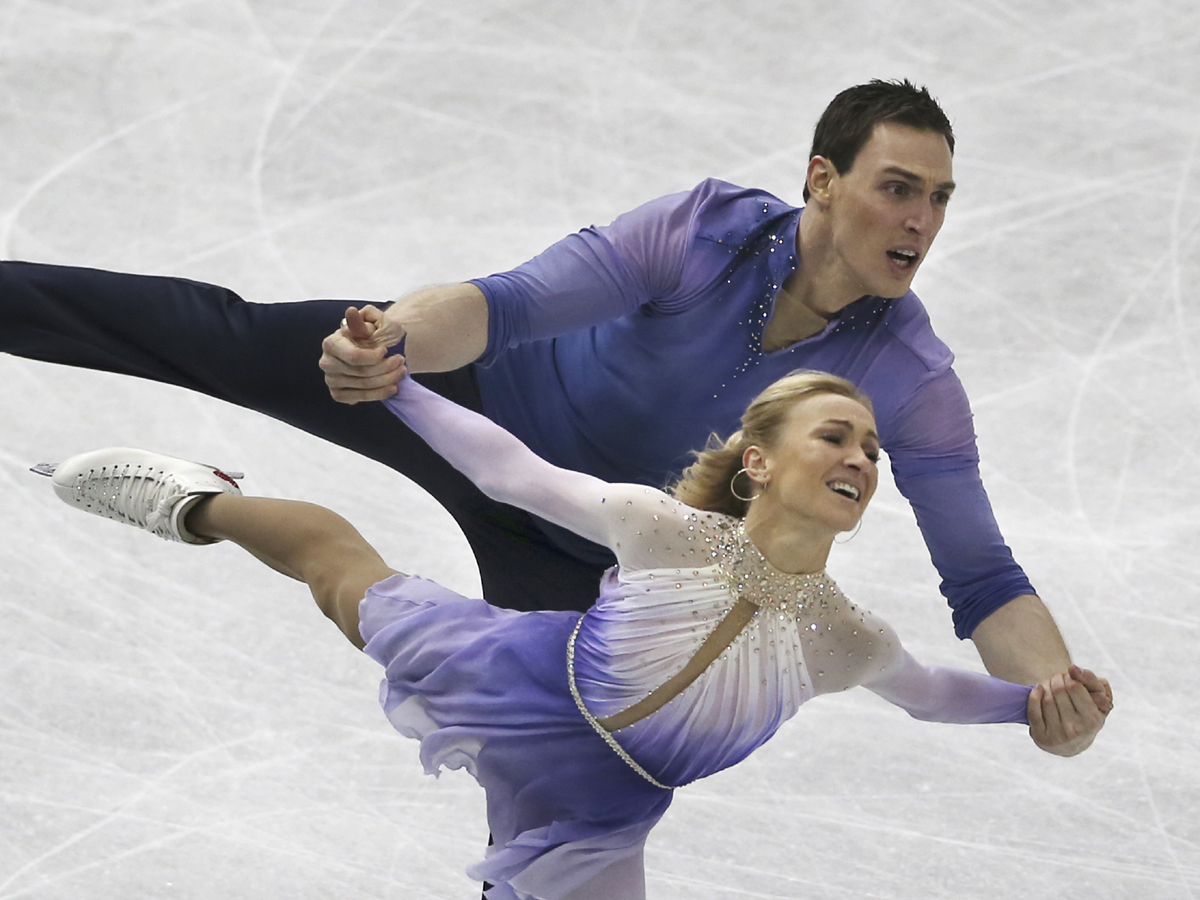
(821, 174)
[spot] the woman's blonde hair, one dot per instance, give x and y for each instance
(710, 481)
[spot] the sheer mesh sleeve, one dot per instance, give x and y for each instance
(941, 694)
(845, 645)
(639, 524)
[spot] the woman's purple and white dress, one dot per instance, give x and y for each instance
(490, 690)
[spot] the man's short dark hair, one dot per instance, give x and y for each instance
(850, 119)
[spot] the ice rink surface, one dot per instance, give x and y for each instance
(181, 723)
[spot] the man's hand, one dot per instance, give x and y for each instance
(1067, 710)
(447, 328)
(354, 358)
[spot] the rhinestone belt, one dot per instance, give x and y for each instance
(591, 720)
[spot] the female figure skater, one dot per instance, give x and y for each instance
(717, 624)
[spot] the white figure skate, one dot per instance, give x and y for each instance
(147, 490)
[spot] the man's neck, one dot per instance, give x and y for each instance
(791, 320)
(813, 294)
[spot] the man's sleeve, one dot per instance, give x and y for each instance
(936, 466)
(597, 274)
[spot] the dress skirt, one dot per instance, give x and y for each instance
(485, 689)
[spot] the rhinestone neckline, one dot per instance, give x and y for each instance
(751, 576)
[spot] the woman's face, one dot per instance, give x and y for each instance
(822, 467)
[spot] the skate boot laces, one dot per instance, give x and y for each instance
(137, 494)
(148, 490)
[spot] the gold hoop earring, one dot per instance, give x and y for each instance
(853, 534)
(733, 490)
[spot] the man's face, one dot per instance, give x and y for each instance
(886, 211)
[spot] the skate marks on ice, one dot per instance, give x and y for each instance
(178, 722)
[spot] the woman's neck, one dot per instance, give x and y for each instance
(792, 546)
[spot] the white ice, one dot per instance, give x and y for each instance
(181, 723)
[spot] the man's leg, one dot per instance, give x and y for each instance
(197, 336)
(263, 357)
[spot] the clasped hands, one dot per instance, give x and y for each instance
(1067, 710)
(355, 361)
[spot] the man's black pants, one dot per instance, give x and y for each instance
(264, 357)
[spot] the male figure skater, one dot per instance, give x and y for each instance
(616, 352)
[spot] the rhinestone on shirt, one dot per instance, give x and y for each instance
(747, 574)
(750, 576)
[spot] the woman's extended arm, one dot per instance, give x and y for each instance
(503, 467)
(941, 694)
(627, 518)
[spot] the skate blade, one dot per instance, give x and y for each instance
(48, 470)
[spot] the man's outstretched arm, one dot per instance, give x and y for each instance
(1019, 642)
(592, 276)
(935, 461)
